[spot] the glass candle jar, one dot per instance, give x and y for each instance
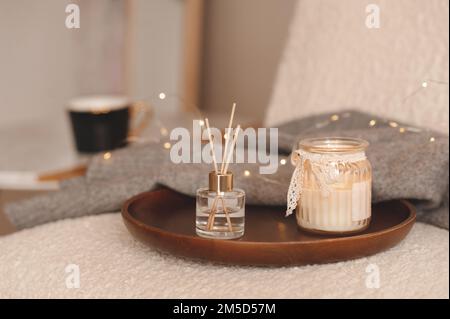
(220, 211)
(331, 185)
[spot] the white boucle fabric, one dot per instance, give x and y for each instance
(113, 264)
(332, 61)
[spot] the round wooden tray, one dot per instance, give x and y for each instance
(166, 220)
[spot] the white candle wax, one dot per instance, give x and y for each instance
(342, 210)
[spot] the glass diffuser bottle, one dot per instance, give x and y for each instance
(220, 211)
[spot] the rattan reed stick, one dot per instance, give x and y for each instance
(211, 142)
(231, 151)
(227, 139)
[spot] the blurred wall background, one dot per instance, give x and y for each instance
(135, 47)
(243, 43)
(154, 45)
(122, 47)
(38, 58)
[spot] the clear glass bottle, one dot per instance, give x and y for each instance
(220, 211)
(336, 185)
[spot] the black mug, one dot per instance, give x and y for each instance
(103, 123)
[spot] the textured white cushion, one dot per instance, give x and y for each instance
(113, 264)
(332, 61)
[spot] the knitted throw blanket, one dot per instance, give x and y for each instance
(408, 162)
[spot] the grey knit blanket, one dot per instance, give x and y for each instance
(408, 162)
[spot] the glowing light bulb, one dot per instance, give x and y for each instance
(424, 84)
(201, 123)
(246, 173)
(107, 156)
(163, 131)
(372, 122)
(162, 95)
(166, 145)
(432, 139)
(393, 124)
(334, 117)
(283, 162)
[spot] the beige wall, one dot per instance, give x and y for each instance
(154, 48)
(43, 64)
(37, 55)
(242, 45)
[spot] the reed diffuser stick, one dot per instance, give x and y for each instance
(227, 214)
(227, 137)
(212, 145)
(212, 213)
(230, 152)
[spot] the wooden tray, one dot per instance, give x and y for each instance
(166, 220)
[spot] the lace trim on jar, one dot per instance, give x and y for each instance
(322, 168)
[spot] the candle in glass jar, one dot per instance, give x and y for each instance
(334, 193)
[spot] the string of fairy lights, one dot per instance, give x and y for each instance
(401, 129)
